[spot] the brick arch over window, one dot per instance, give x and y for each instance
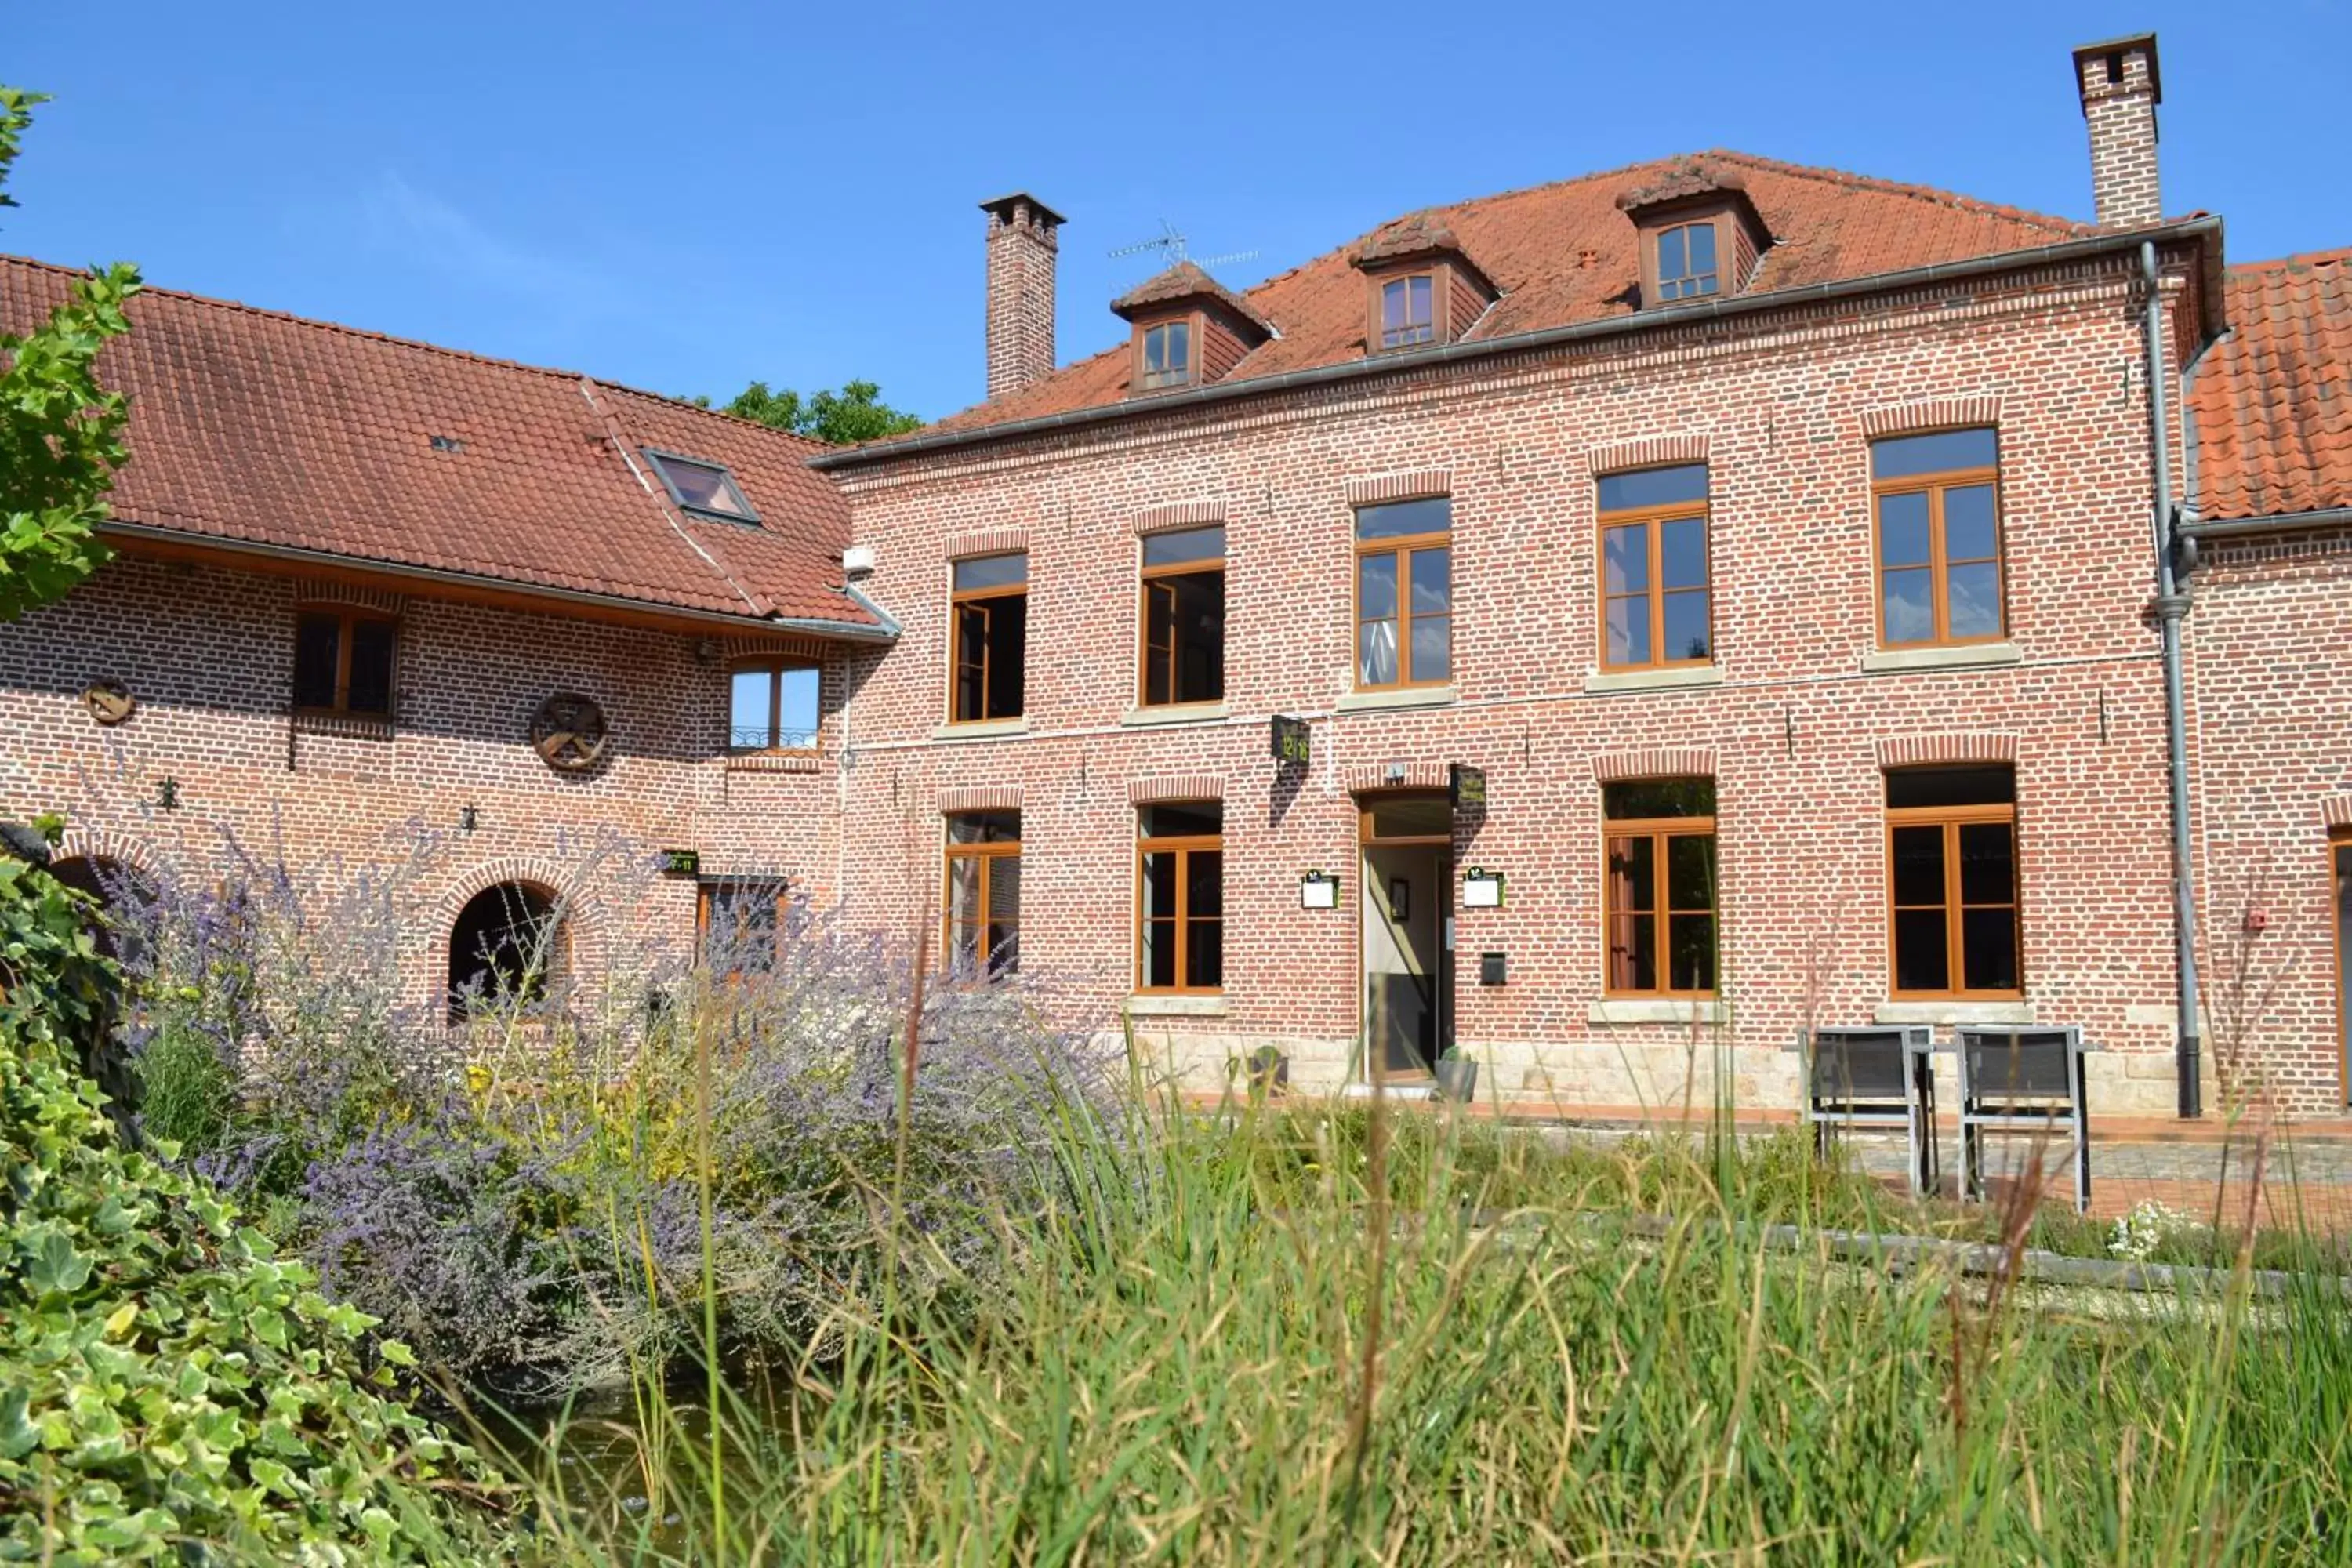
(1926, 751)
(586, 949)
(122, 849)
(2335, 811)
(1931, 413)
(310, 590)
(1655, 763)
(1365, 778)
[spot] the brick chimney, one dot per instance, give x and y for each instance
(1021, 246)
(2120, 90)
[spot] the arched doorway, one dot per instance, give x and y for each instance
(122, 929)
(127, 894)
(503, 946)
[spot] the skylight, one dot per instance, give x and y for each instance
(702, 488)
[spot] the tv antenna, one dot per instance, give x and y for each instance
(1174, 246)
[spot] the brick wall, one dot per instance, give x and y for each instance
(2269, 691)
(208, 654)
(1797, 726)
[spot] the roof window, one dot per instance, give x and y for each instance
(703, 488)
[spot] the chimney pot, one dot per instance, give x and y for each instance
(2119, 88)
(1023, 239)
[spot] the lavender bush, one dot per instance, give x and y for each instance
(523, 1198)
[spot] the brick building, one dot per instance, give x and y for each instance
(1695, 600)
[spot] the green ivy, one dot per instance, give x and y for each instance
(60, 431)
(170, 1390)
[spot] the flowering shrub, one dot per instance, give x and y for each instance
(523, 1199)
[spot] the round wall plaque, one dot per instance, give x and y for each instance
(569, 733)
(109, 701)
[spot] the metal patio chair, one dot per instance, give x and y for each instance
(2022, 1080)
(1881, 1077)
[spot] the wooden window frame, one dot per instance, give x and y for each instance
(1183, 847)
(1658, 830)
(1934, 486)
(1654, 518)
(959, 601)
(1169, 381)
(1404, 546)
(1376, 329)
(1951, 819)
(346, 620)
(980, 853)
(775, 666)
(1149, 576)
(705, 897)
(1657, 251)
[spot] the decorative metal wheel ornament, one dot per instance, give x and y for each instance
(569, 733)
(109, 701)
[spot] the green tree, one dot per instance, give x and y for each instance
(837, 418)
(60, 432)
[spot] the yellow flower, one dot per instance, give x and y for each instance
(478, 1077)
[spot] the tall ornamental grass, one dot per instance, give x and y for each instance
(1489, 1362)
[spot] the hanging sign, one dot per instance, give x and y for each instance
(682, 862)
(1292, 745)
(1468, 786)
(1482, 889)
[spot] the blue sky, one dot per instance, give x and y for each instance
(688, 196)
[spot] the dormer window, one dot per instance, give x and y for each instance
(700, 486)
(1422, 286)
(1687, 261)
(1168, 355)
(1189, 330)
(1408, 311)
(1700, 234)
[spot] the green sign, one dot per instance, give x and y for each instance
(1469, 787)
(1292, 744)
(1482, 889)
(682, 862)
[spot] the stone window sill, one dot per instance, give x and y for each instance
(983, 729)
(772, 762)
(1381, 701)
(1149, 1004)
(1967, 656)
(1657, 1010)
(1670, 679)
(1175, 713)
(1949, 1013)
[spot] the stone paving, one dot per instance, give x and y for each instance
(2308, 1179)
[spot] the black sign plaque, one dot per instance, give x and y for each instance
(1292, 742)
(1469, 787)
(682, 862)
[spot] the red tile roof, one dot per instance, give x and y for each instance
(257, 427)
(1564, 253)
(2272, 400)
(1184, 281)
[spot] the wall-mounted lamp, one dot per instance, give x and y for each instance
(1396, 773)
(167, 793)
(468, 819)
(706, 652)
